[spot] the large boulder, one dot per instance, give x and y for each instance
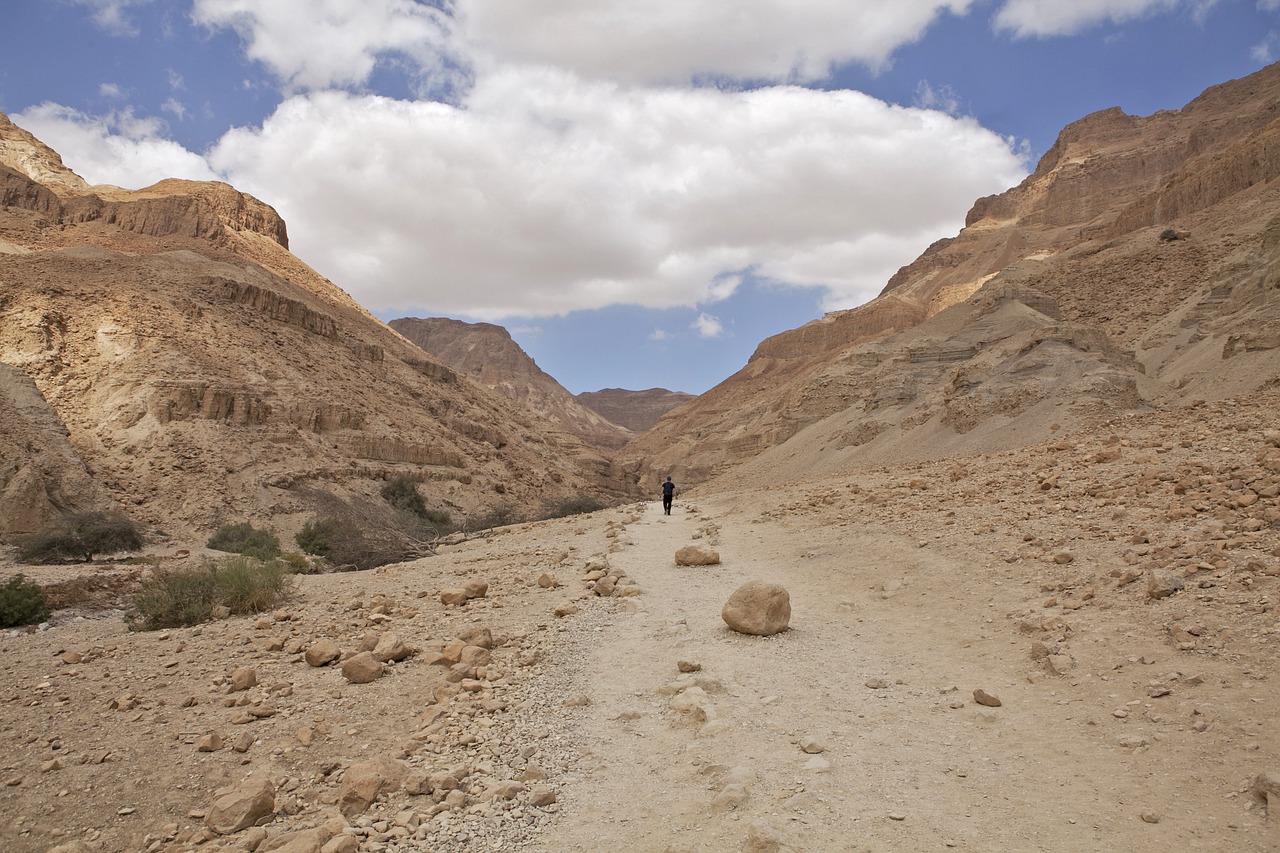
(758, 608)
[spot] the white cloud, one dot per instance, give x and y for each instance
(658, 335)
(174, 106)
(707, 326)
(659, 41)
(314, 44)
(112, 15)
(544, 193)
(1043, 18)
(110, 90)
(118, 149)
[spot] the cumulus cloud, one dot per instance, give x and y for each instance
(314, 44)
(119, 148)
(1043, 18)
(707, 326)
(545, 193)
(658, 41)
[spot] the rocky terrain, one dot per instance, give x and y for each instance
(487, 354)
(1025, 508)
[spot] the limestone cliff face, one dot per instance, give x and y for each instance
(204, 374)
(638, 411)
(1154, 232)
(487, 354)
(41, 476)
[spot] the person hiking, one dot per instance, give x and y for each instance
(668, 492)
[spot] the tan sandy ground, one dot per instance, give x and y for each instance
(938, 578)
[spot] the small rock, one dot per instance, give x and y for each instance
(362, 668)
(390, 648)
(541, 795)
(364, 781)
(453, 597)
(877, 683)
(546, 580)
(688, 666)
(322, 652)
(243, 679)
(982, 697)
(240, 806)
(812, 746)
(211, 742)
(1150, 817)
(897, 816)
(1162, 584)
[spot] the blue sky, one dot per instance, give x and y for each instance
(640, 190)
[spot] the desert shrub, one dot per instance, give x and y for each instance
(174, 598)
(21, 603)
(402, 493)
(439, 519)
(243, 538)
(577, 505)
(365, 534)
(497, 516)
(317, 536)
(296, 563)
(81, 536)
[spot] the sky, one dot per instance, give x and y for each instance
(639, 190)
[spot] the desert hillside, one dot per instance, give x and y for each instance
(1148, 236)
(638, 411)
(487, 354)
(202, 374)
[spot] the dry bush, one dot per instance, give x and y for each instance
(365, 534)
(81, 536)
(175, 598)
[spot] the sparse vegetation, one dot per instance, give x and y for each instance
(402, 493)
(21, 603)
(181, 597)
(81, 536)
(318, 534)
(573, 506)
(243, 538)
(498, 516)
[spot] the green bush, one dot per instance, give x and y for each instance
(402, 493)
(81, 536)
(21, 603)
(573, 506)
(244, 538)
(180, 597)
(317, 536)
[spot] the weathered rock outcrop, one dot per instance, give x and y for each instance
(638, 411)
(487, 354)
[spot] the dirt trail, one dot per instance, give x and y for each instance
(914, 765)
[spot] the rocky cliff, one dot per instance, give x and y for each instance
(203, 374)
(1152, 238)
(487, 354)
(638, 411)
